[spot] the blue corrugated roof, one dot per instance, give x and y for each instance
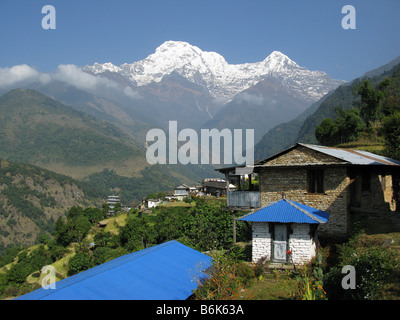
(169, 271)
(287, 211)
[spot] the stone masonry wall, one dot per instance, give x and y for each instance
(379, 198)
(292, 180)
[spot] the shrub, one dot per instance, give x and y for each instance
(373, 265)
(79, 262)
(226, 278)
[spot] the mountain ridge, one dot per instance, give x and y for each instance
(210, 69)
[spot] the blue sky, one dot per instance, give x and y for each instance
(119, 31)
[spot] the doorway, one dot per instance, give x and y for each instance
(279, 242)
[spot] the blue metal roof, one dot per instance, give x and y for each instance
(287, 211)
(169, 271)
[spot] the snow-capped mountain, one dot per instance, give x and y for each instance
(211, 70)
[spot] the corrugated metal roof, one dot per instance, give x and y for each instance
(287, 211)
(169, 271)
(356, 157)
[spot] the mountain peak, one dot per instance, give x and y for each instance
(277, 58)
(211, 70)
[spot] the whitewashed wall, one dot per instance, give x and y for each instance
(261, 243)
(301, 244)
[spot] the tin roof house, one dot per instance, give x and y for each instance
(285, 228)
(340, 181)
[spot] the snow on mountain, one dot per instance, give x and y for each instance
(223, 80)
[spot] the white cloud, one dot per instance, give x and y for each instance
(16, 74)
(67, 73)
(257, 100)
(130, 93)
(74, 75)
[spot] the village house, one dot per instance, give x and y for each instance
(216, 187)
(338, 181)
(285, 229)
(181, 192)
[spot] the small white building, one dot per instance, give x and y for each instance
(152, 203)
(285, 231)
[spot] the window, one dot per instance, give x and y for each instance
(365, 182)
(315, 181)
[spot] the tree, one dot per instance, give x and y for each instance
(326, 132)
(370, 105)
(79, 262)
(347, 127)
(391, 131)
(136, 234)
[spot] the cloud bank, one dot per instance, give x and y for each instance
(68, 73)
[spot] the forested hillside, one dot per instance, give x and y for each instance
(373, 120)
(32, 199)
(302, 129)
(38, 130)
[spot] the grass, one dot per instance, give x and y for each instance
(178, 204)
(273, 286)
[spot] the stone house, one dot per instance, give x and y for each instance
(216, 187)
(181, 192)
(285, 228)
(335, 180)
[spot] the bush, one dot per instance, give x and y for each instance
(225, 278)
(79, 262)
(373, 265)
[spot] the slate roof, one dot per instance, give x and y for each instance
(287, 211)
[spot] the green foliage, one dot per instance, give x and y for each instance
(74, 229)
(104, 254)
(209, 227)
(370, 104)
(136, 234)
(225, 279)
(79, 262)
(311, 278)
(347, 127)
(377, 112)
(27, 264)
(374, 266)
(391, 130)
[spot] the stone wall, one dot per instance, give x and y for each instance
(293, 182)
(302, 156)
(379, 198)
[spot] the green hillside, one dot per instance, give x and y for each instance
(302, 129)
(39, 130)
(373, 122)
(32, 199)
